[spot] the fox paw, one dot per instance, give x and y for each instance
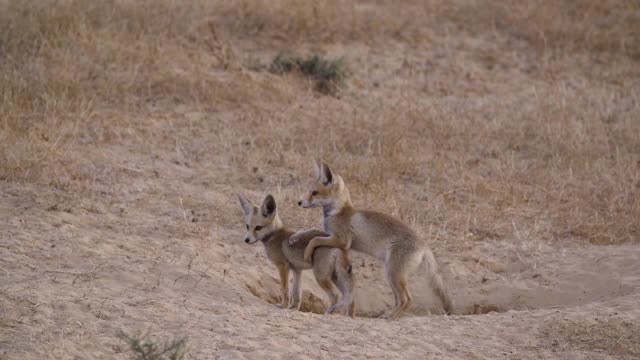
(385, 316)
(295, 238)
(331, 309)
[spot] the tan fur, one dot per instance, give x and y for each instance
(373, 233)
(330, 266)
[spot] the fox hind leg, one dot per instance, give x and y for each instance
(398, 265)
(296, 292)
(406, 297)
(327, 286)
(283, 270)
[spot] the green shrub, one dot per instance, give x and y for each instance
(329, 75)
(144, 348)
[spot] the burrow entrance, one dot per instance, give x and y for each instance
(480, 285)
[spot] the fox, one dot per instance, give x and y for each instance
(373, 233)
(331, 266)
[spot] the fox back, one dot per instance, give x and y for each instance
(367, 231)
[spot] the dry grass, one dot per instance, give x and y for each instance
(604, 26)
(554, 160)
(73, 68)
(326, 21)
(608, 26)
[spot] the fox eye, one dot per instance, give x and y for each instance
(247, 227)
(314, 193)
(258, 228)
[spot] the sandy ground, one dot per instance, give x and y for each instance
(76, 271)
(146, 234)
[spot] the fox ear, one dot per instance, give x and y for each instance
(268, 207)
(316, 169)
(326, 174)
(247, 207)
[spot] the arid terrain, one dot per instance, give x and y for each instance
(506, 133)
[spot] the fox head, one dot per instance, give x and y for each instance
(326, 190)
(259, 222)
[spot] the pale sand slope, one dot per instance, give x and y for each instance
(70, 280)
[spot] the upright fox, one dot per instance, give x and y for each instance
(373, 233)
(330, 265)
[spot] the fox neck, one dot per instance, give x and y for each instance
(276, 226)
(339, 204)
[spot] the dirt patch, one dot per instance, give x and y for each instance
(609, 333)
(310, 301)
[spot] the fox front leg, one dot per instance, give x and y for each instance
(283, 270)
(331, 241)
(300, 235)
(296, 293)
